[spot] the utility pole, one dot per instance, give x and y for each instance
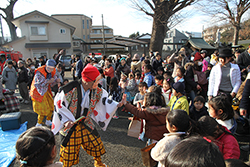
(103, 36)
(1, 31)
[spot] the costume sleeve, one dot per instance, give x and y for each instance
(41, 83)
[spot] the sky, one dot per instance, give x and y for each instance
(118, 14)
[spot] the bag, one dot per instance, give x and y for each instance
(134, 128)
(200, 77)
(243, 127)
(146, 157)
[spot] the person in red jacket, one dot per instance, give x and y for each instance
(108, 70)
(221, 136)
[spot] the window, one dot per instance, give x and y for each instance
(83, 36)
(62, 31)
(83, 24)
(38, 30)
(107, 31)
(76, 44)
(87, 24)
(88, 36)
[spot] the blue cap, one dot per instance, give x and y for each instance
(51, 62)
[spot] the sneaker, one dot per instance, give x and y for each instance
(115, 117)
(21, 100)
(37, 124)
(100, 164)
(26, 101)
(48, 123)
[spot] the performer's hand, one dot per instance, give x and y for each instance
(68, 124)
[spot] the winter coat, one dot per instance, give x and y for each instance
(109, 71)
(156, 63)
(228, 146)
(10, 77)
(155, 119)
(243, 60)
(23, 75)
(180, 103)
(136, 66)
(215, 79)
(190, 84)
(125, 69)
(161, 150)
(245, 100)
(195, 115)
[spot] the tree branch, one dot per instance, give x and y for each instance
(150, 5)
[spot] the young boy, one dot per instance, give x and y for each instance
(158, 80)
(179, 100)
(198, 109)
(139, 97)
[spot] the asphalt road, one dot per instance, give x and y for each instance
(121, 150)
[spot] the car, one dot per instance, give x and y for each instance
(66, 60)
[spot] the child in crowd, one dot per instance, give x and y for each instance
(179, 100)
(65, 81)
(139, 97)
(137, 77)
(167, 74)
(102, 81)
(123, 81)
(149, 79)
(131, 88)
(158, 80)
(198, 109)
(115, 93)
(166, 89)
(195, 152)
(37, 147)
(220, 108)
(179, 75)
(154, 114)
(178, 124)
(160, 71)
(221, 136)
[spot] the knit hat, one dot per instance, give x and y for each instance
(122, 59)
(51, 62)
(197, 56)
(90, 73)
(179, 87)
(136, 57)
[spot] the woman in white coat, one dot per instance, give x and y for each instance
(224, 77)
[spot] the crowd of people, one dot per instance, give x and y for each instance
(184, 103)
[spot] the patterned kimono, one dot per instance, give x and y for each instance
(79, 106)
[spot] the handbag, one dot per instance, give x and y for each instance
(243, 127)
(200, 77)
(146, 157)
(134, 128)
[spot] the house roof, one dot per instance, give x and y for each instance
(16, 20)
(199, 43)
(124, 41)
(144, 36)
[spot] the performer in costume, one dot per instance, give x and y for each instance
(40, 91)
(77, 103)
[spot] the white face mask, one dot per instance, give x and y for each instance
(33, 67)
(192, 58)
(199, 63)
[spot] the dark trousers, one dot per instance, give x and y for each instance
(23, 90)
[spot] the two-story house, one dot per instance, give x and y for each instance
(41, 35)
(174, 36)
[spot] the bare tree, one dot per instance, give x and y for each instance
(165, 14)
(228, 10)
(9, 16)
